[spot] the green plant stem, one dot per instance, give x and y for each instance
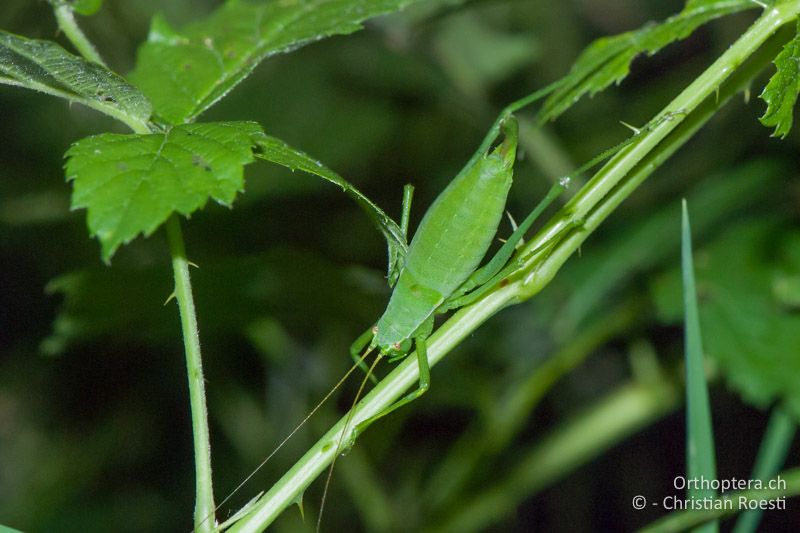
(590, 206)
(622, 413)
(204, 521)
(684, 520)
(316, 459)
(67, 23)
(490, 501)
(495, 429)
(538, 272)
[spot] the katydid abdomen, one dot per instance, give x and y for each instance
(448, 246)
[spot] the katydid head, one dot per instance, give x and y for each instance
(397, 350)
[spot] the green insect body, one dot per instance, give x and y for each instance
(441, 266)
(448, 246)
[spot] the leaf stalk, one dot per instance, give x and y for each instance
(67, 23)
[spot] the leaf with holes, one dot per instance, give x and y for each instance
(45, 66)
(186, 72)
(131, 184)
(608, 59)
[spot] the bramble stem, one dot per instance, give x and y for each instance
(67, 23)
(204, 491)
(591, 205)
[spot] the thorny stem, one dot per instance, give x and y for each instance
(565, 462)
(204, 492)
(591, 206)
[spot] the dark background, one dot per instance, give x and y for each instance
(94, 423)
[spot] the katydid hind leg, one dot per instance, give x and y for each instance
(495, 265)
(507, 270)
(356, 354)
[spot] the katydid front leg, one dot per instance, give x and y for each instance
(421, 346)
(424, 383)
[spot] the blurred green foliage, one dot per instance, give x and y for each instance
(94, 424)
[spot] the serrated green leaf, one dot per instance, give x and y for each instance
(608, 59)
(781, 92)
(45, 66)
(130, 184)
(277, 151)
(752, 337)
(186, 72)
(81, 7)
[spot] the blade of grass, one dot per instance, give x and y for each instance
(771, 456)
(700, 456)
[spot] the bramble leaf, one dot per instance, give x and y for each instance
(130, 184)
(277, 151)
(746, 329)
(608, 59)
(781, 92)
(186, 72)
(45, 66)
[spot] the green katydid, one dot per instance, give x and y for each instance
(440, 271)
